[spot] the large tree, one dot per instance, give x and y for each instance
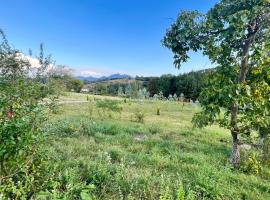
(235, 35)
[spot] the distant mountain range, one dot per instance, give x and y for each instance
(91, 79)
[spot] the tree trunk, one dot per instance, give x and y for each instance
(235, 132)
(235, 154)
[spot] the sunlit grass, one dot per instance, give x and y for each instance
(127, 158)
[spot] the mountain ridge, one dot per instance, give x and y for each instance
(92, 79)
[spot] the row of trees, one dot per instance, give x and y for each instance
(128, 89)
(190, 85)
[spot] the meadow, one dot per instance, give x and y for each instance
(134, 153)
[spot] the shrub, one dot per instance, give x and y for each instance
(23, 163)
(139, 116)
(67, 184)
(158, 111)
(115, 156)
(166, 194)
(181, 192)
(154, 129)
(107, 106)
(182, 195)
(52, 104)
(252, 165)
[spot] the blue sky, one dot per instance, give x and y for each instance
(100, 37)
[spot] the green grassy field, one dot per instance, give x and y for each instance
(125, 159)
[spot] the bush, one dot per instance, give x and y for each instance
(67, 184)
(108, 106)
(24, 169)
(184, 195)
(158, 111)
(154, 129)
(139, 116)
(251, 164)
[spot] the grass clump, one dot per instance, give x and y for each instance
(139, 116)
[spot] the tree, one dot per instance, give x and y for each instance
(164, 84)
(75, 85)
(101, 89)
(135, 89)
(120, 91)
(128, 90)
(234, 34)
(152, 86)
(62, 77)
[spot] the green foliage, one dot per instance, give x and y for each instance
(66, 184)
(63, 79)
(128, 90)
(108, 106)
(165, 194)
(125, 160)
(266, 150)
(139, 116)
(235, 37)
(181, 192)
(158, 111)
(190, 195)
(120, 91)
(75, 85)
(24, 168)
(252, 165)
(154, 129)
(70, 127)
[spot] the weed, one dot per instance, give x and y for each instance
(139, 116)
(158, 111)
(154, 129)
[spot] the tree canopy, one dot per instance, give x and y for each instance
(234, 34)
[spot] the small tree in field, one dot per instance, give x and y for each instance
(182, 97)
(175, 97)
(128, 90)
(235, 35)
(120, 91)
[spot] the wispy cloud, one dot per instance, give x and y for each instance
(94, 72)
(89, 72)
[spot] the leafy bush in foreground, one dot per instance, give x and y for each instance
(24, 169)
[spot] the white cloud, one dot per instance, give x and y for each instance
(34, 62)
(89, 72)
(94, 72)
